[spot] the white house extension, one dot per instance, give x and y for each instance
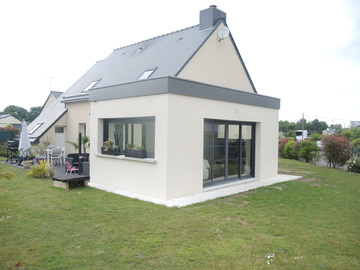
(187, 98)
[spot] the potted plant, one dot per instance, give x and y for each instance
(135, 151)
(27, 164)
(109, 148)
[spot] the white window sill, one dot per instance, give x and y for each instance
(122, 157)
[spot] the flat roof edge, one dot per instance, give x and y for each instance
(174, 85)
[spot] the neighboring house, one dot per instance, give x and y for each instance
(355, 124)
(186, 97)
(6, 119)
(54, 95)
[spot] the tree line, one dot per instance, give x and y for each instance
(288, 128)
(21, 113)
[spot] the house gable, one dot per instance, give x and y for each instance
(218, 63)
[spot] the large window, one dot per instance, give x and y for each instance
(138, 131)
(229, 149)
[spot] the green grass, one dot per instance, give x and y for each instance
(312, 223)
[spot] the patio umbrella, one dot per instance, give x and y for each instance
(24, 142)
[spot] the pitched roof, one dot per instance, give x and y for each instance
(167, 54)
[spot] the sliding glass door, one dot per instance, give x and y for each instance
(228, 151)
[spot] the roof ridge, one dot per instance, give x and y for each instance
(167, 34)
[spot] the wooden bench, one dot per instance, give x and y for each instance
(64, 181)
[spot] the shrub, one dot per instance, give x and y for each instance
(336, 149)
(353, 165)
(14, 131)
(288, 151)
(315, 137)
(308, 151)
(3, 149)
(6, 175)
(282, 143)
(43, 169)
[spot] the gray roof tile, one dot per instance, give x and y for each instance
(167, 53)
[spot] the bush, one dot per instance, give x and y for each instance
(14, 131)
(353, 165)
(315, 137)
(288, 151)
(6, 175)
(336, 149)
(308, 151)
(282, 143)
(43, 169)
(3, 149)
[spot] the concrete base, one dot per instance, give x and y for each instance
(209, 193)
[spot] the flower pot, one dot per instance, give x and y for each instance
(112, 152)
(135, 153)
(27, 164)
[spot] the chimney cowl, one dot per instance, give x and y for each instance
(210, 16)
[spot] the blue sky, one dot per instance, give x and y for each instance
(307, 53)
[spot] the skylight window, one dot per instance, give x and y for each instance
(147, 73)
(35, 128)
(91, 85)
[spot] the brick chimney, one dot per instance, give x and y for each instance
(210, 16)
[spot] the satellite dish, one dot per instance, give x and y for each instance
(223, 32)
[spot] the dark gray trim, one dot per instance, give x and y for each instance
(179, 86)
(75, 98)
(242, 62)
(196, 51)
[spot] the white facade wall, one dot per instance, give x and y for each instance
(177, 169)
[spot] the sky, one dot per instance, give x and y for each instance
(306, 53)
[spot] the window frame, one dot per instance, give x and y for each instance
(35, 128)
(129, 122)
(147, 73)
(90, 85)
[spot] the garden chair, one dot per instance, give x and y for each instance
(56, 156)
(70, 169)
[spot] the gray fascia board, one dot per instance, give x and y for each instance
(202, 90)
(75, 98)
(174, 85)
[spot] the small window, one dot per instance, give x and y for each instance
(35, 128)
(147, 73)
(59, 130)
(91, 85)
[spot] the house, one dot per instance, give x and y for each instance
(355, 124)
(7, 119)
(187, 98)
(54, 95)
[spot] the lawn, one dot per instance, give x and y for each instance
(312, 223)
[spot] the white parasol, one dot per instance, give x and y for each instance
(24, 142)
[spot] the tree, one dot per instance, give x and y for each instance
(337, 127)
(336, 149)
(314, 137)
(308, 150)
(299, 124)
(34, 112)
(18, 112)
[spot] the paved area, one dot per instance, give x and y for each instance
(209, 193)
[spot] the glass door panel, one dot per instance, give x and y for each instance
(234, 151)
(218, 165)
(208, 153)
(228, 151)
(246, 150)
